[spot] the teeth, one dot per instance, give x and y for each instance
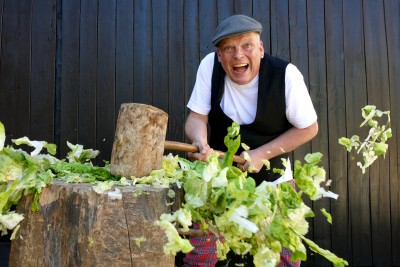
(240, 65)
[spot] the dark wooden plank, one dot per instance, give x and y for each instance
(225, 9)
(191, 47)
(1, 19)
(176, 70)
(377, 78)
(106, 79)
(207, 23)
(341, 230)
(318, 92)
(392, 21)
(15, 67)
(356, 98)
(280, 29)
(69, 74)
(298, 46)
(160, 48)
(43, 69)
(124, 54)
(261, 12)
(244, 7)
(142, 59)
(88, 74)
(298, 53)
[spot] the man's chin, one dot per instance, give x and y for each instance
(240, 80)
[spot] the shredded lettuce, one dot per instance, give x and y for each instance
(374, 145)
(2, 136)
(175, 242)
(259, 220)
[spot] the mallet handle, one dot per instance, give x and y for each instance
(178, 146)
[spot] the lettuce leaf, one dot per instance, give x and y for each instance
(2, 136)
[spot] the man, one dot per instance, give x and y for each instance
(265, 95)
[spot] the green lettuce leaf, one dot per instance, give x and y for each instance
(2, 136)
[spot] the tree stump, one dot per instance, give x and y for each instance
(78, 227)
(139, 140)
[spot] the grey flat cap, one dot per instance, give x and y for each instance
(234, 25)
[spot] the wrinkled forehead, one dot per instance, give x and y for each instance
(241, 38)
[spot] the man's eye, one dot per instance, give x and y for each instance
(247, 46)
(228, 49)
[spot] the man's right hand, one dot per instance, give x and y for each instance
(204, 152)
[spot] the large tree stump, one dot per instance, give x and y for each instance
(78, 227)
(139, 140)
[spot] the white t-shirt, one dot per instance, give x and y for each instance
(239, 102)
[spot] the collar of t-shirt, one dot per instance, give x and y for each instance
(239, 102)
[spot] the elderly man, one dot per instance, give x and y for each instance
(265, 95)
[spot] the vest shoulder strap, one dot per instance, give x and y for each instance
(218, 78)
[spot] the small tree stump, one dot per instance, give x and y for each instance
(78, 227)
(139, 140)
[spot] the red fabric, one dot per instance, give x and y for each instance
(285, 259)
(204, 253)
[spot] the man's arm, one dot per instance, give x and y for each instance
(286, 142)
(196, 132)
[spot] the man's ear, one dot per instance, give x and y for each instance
(219, 54)
(261, 47)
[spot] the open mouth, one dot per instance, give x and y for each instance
(240, 68)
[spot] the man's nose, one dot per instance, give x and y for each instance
(238, 52)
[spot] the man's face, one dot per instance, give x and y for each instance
(240, 56)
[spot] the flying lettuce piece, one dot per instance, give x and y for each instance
(309, 176)
(240, 215)
(182, 216)
(9, 221)
(374, 145)
(327, 215)
(2, 136)
(116, 194)
(220, 180)
(350, 143)
(139, 240)
(266, 257)
(212, 168)
(175, 242)
(78, 154)
(38, 145)
(10, 169)
(337, 262)
(102, 187)
(232, 142)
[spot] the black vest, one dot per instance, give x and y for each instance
(270, 120)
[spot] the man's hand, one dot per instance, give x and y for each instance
(254, 161)
(204, 151)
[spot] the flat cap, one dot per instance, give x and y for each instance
(235, 25)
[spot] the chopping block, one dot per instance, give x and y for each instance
(75, 226)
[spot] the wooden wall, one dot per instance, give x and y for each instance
(67, 65)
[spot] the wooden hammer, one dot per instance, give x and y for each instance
(139, 141)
